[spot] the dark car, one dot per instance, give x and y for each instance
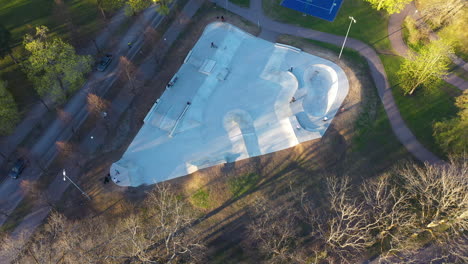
(104, 62)
(18, 168)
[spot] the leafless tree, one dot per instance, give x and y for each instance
(390, 214)
(66, 118)
(344, 228)
(97, 105)
(127, 69)
(442, 12)
(37, 194)
(151, 35)
(14, 247)
(70, 151)
(163, 234)
(274, 231)
(440, 193)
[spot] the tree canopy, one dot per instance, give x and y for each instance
(109, 5)
(426, 68)
(135, 6)
(53, 65)
(5, 37)
(391, 6)
(452, 134)
(8, 112)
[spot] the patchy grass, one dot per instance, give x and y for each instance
(371, 26)
(241, 3)
(425, 107)
(242, 184)
(201, 199)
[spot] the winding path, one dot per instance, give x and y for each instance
(405, 136)
(396, 39)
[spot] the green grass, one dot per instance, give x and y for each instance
(22, 16)
(425, 107)
(241, 3)
(372, 126)
(242, 184)
(201, 199)
(413, 46)
(350, 54)
(371, 26)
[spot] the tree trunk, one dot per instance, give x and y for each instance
(12, 57)
(103, 13)
(61, 84)
(46, 106)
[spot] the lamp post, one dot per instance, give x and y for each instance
(352, 20)
(65, 177)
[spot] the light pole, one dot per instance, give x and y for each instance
(65, 177)
(352, 20)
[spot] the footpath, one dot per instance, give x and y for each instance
(44, 150)
(270, 29)
(97, 136)
(255, 15)
(395, 25)
(8, 144)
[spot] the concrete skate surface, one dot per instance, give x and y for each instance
(232, 99)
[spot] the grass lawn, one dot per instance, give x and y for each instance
(241, 3)
(372, 126)
(425, 107)
(22, 16)
(419, 111)
(371, 25)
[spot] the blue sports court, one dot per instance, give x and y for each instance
(324, 9)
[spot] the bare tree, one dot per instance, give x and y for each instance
(273, 229)
(440, 193)
(127, 69)
(163, 234)
(442, 12)
(97, 105)
(66, 118)
(345, 227)
(70, 151)
(37, 194)
(390, 215)
(152, 35)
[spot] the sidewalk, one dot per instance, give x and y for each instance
(8, 144)
(118, 107)
(403, 133)
(44, 151)
(395, 25)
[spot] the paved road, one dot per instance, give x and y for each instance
(271, 29)
(118, 107)
(396, 39)
(9, 144)
(405, 136)
(44, 151)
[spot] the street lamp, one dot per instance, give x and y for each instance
(352, 20)
(65, 177)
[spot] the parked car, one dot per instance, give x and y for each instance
(17, 168)
(104, 62)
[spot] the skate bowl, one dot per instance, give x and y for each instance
(321, 87)
(319, 98)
